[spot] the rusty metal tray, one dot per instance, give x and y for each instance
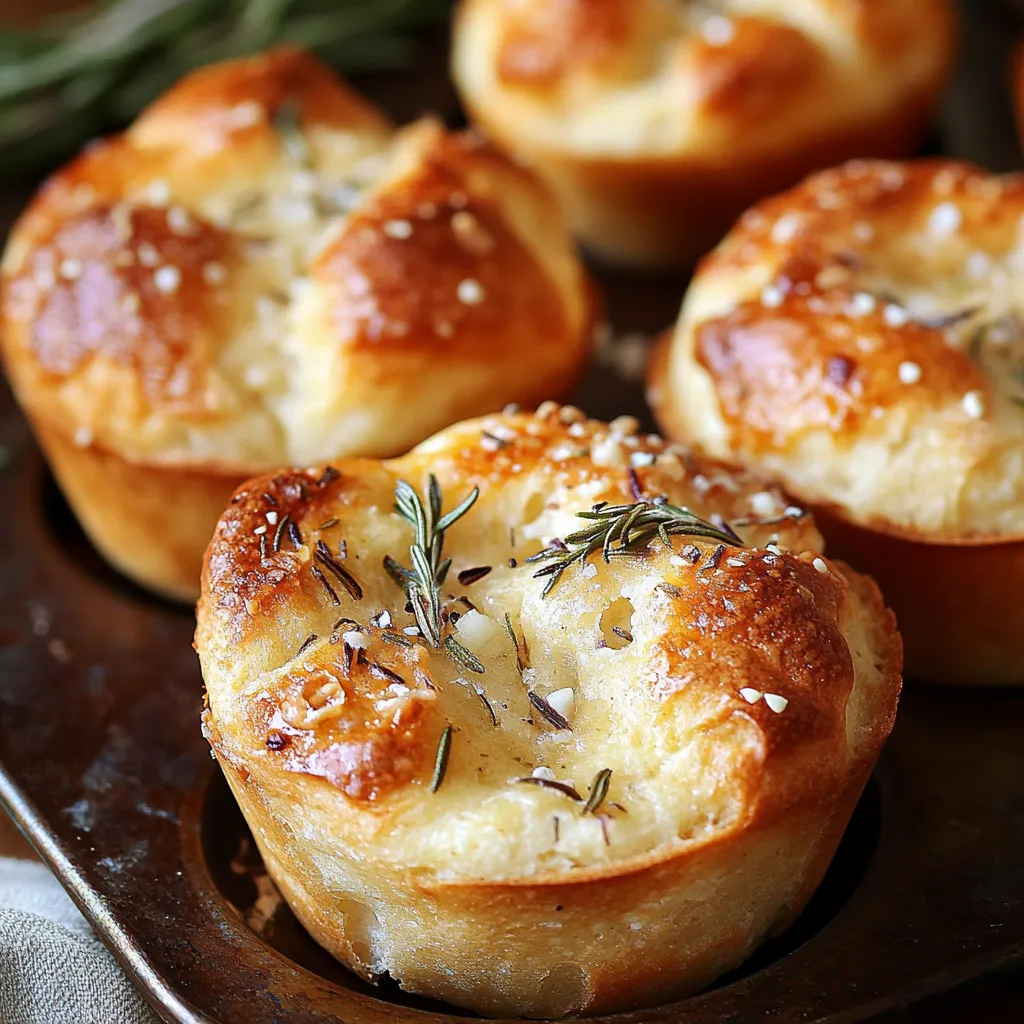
(920, 918)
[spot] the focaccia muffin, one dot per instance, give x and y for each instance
(532, 781)
(258, 273)
(657, 122)
(860, 339)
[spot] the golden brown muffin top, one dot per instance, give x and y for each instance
(860, 336)
(259, 271)
(622, 78)
(718, 683)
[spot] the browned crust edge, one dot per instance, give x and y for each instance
(956, 599)
(151, 522)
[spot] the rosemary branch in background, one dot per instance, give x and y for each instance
(77, 75)
(620, 530)
(422, 583)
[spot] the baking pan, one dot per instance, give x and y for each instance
(105, 770)
(920, 917)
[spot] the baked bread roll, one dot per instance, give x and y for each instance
(563, 789)
(258, 273)
(657, 122)
(859, 339)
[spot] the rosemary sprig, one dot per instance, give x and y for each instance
(620, 530)
(77, 74)
(423, 582)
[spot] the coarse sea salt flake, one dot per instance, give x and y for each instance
(563, 701)
(718, 30)
(470, 292)
(909, 373)
(784, 229)
(895, 316)
(973, 405)
(763, 504)
(167, 279)
(862, 304)
(944, 219)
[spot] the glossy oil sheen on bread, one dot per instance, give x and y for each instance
(860, 339)
(738, 694)
(260, 271)
(658, 122)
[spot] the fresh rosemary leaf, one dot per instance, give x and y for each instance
(422, 583)
(456, 513)
(598, 791)
(444, 749)
(76, 75)
(559, 787)
(520, 661)
(621, 530)
(462, 656)
(490, 710)
(402, 576)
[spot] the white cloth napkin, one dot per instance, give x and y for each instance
(53, 969)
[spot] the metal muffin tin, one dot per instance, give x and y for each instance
(920, 918)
